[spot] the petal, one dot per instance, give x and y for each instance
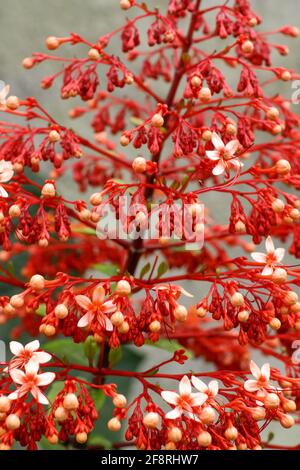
(84, 321)
(279, 254)
(13, 396)
(267, 271)
(16, 348)
(32, 346)
(213, 387)
(173, 414)
(109, 307)
(18, 393)
(4, 92)
(170, 397)
(42, 357)
(83, 301)
(199, 384)
(6, 175)
(186, 293)
(198, 398)
(259, 257)
(219, 169)
(255, 370)
(232, 147)
(17, 376)
(32, 367)
(3, 192)
(98, 295)
(266, 371)
(108, 324)
(269, 245)
(217, 141)
(185, 387)
(213, 154)
(46, 378)
(39, 396)
(251, 386)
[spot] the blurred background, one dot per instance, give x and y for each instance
(25, 24)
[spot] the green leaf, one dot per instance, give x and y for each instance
(98, 396)
(109, 269)
(145, 270)
(270, 436)
(41, 311)
(170, 345)
(90, 348)
(84, 230)
(100, 441)
(162, 269)
(66, 350)
(114, 356)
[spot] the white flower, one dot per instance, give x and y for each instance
(223, 154)
(26, 354)
(261, 378)
(210, 390)
(185, 401)
(96, 308)
(4, 94)
(271, 258)
(30, 381)
(6, 174)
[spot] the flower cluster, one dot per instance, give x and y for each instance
(91, 300)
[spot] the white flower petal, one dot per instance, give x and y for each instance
(213, 387)
(199, 384)
(218, 169)
(267, 271)
(186, 293)
(108, 324)
(39, 396)
(170, 397)
(269, 245)
(251, 386)
(84, 321)
(16, 348)
(3, 192)
(185, 387)
(217, 141)
(109, 307)
(83, 301)
(198, 399)
(42, 357)
(46, 378)
(98, 295)
(232, 147)
(173, 414)
(259, 257)
(255, 370)
(32, 346)
(32, 367)
(17, 376)
(266, 371)
(279, 254)
(213, 154)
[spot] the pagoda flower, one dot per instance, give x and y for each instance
(26, 354)
(3, 95)
(6, 174)
(269, 259)
(210, 390)
(96, 308)
(30, 382)
(185, 401)
(223, 155)
(261, 378)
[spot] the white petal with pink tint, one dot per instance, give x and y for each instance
(39, 396)
(83, 301)
(17, 375)
(3, 192)
(46, 378)
(251, 386)
(266, 371)
(185, 387)
(84, 321)
(213, 155)
(270, 245)
(109, 307)
(108, 324)
(199, 384)
(267, 271)
(213, 387)
(255, 370)
(232, 147)
(198, 398)
(217, 141)
(174, 414)
(279, 253)
(16, 348)
(259, 257)
(32, 346)
(42, 357)
(170, 397)
(98, 295)
(218, 169)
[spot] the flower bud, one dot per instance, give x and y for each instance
(283, 167)
(289, 406)
(119, 401)
(180, 313)
(155, 326)
(170, 446)
(201, 312)
(81, 437)
(196, 81)
(93, 54)
(231, 433)
(28, 63)
(204, 439)
(151, 420)
(207, 415)
(123, 288)
(61, 414)
(247, 47)
(17, 301)
(175, 434)
(125, 4)
(96, 199)
(240, 227)
(53, 439)
(48, 190)
(12, 102)
(204, 95)
(114, 424)
(14, 210)
(157, 120)
(139, 165)
(5, 404)
(278, 205)
(207, 135)
(290, 297)
(12, 422)
(124, 140)
(258, 413)
(49, 330)
(243, 316)
(61, 311)
(275, 324)
(124, 328)
(286, 76)
(54, 136)
(272, 113)
(117, 318)
(52, 43)
(271, 400)
(37, 282)
(287, 421)
(237, 299)
(71, 401)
